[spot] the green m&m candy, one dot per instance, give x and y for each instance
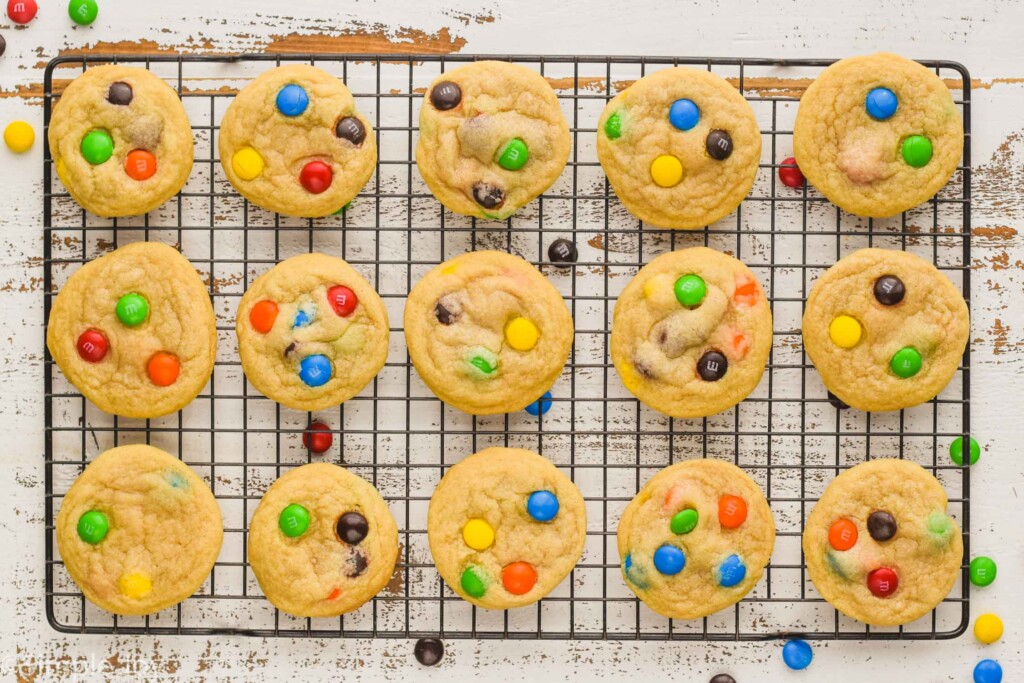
(472, 583)
(684, 521)
(906, 362)
(294, 520)
(93, 526)
(917, 150)
(613, 126)
(956, 451)
(690, 290)
(132, 309)
(483, 362)
(97, 146)
(983, 571)
(514, 155)
(83, 12)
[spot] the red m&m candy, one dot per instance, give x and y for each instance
(316, 177)
(22, 11)
(789, 173)
(883, 582)
(317, 438)
(343, 300)
(92, 346)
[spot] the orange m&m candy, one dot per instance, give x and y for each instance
(263, 315)
(746, 293)
(518, 578)
(732, 511)
(842, 535)
(140, 164)
(163, 369)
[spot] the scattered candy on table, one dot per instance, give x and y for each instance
(428, 651)
(797, 654)
(789, 173)
(3, 46)
(983, 571)
(562, 251)
(317, 437)
(22, 11)
(19, 136)
(988, 628)
(722, 678)
(541, 406)
(988, 671)
(83, 12)
(956, 451)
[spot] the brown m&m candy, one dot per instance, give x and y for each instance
(881, 526)
(446, 95)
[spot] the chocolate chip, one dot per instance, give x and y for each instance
(712, 366)
(889, 290)
(488, 196)
(881, 526)
(352, 129)
(352, 528)
(443, 315)
(723, 678)
(428, 651)
(120, 93)
(562, 251)
(719, 145)
(357, 565)
(291, 349)
(446, 95)
(836, 402)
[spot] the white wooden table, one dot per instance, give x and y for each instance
(984, 35)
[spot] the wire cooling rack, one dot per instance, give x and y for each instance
(787, 435)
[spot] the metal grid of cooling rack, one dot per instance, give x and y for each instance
(787, 435)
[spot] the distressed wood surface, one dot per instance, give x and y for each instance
(984, 35)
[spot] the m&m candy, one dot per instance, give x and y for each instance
(845, 331)
(428, 651)
(446, 95)
(315, 370)
(916, 151)
(881, 525)
(842, 535)
(92, 346)
(541, 406)
(666, 171)
(722, 678)
(352, 528)
(684, 521)
(293, 520)
(316, 177)
(263, 315)
(19, 136)
(732, 511)
(731, 572)
(982, 571)
(906, 362)
(134, 585)
(712, 366)
(120, 94)
(669, 560)
(132, 309)
(519, 578)
(690, 290)
(352, 129)
(478, 534)
(140, 164)
(988, 671)
(889, 290)
(988, 628)
(93, 526)
(317, 437)
(718, 145)
(883, 582)
(83, 12)
(613, 126)
(683, 114)
(956, 451)
(22, 11)
(292, 100)
(881, 103)
(514, 155)
(562, 252)
(521, 334)
(3, 46)
(247, 163)
(343, 300)
(473, 582)
(790, 174)
(163, 369)
(797, 654)
(542, 506)
(97, 147)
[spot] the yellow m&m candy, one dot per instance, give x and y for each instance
(666, 171)
(988, 628)
(19, 136)
(247, 163)
(478, 534)
(134, 586)
(845, 331)
(522, 334)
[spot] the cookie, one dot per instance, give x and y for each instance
(138, 531)
(487, 332)
(322, 541)
(134, 331)
(120, 141)
(292, 142)
(681, 148)
(312, 332)
(692, 333)
(505, 527)
(879, 545)
(885, 329)
(695, 539)
(492, 138)
(878, 134)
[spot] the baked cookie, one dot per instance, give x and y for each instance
(134, 331)
(492, 138)
(322, 541)
(292, 142)
(681, 148)
(487, 332)
(879, 545)
(138, 530)
(885, 329)
(505, 527)
(878, 134)
(692, 333)
(695, 539)
(120, 140)
(312, 332)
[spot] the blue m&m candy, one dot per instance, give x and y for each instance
(315, 370)
(683, 114)
(881, 103)
(732, 571)
(292, 100)
(542, 505)
(797, 655)
(988, 671)
(541, 405)
(669, 560)
(302, 318)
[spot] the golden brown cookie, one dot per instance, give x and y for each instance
(692, 333)
(505, 527)
(696, 538)
(885, 329)
(134, 331)
(292, 142)
(487, 332)
(322, 541)
(879, 544)
(312, 332)
(680, 147)
(120, 140)
(138, 530)
(878, 134)
(492, 138)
